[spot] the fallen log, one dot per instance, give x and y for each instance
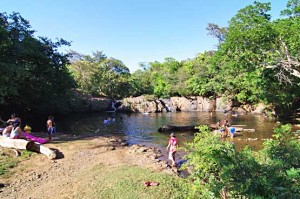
(16, 143)
(44, 150)
(27, 145)
(169, 128)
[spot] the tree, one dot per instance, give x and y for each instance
(114, 78)
(34, 73)
(256, 50)
(202, 80)
(140, 83)
(101, 76)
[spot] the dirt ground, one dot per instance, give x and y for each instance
(39, 177)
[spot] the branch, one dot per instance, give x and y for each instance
(285, 64)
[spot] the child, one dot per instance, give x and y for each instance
(173, 144)
(51, 127)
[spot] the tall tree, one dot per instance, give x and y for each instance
(34, 73)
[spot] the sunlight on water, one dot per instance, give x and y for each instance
(143, 129)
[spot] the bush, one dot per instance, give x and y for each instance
(220, 171)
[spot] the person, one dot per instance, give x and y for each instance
(107, 120)
(224, 128)
(232, 132)
(16, 131)
(14, 118)
(7, 131)
(51, 127)
(172, 145)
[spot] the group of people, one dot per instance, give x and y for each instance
(13, 128)
(223, 127)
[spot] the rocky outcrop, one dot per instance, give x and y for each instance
(141, 104)
(195, 103)
(146, 104)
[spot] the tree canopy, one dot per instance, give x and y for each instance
(256, 60)
(33, 73)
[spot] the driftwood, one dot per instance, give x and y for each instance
(16, 143)
(27, 145)
(44, 150)
(169, 128)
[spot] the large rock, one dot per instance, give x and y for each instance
(142, 104)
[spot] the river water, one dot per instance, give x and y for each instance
(139, 128)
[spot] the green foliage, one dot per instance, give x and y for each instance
(140, 83)
(211, 160)
(219, 170)
(99, 75)
(202, 80)
(166, 78)
(26, 154)
(34, 74)
(6, 163)
(293, 8)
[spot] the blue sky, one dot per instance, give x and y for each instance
(132, 31)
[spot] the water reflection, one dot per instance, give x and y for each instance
(143, 129)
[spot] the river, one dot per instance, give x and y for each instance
(139, 128)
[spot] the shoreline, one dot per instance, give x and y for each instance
(77, 156)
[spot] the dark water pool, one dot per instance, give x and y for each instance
(143, 129)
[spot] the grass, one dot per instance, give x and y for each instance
(6, 164)
(8, 161)
(128, 183)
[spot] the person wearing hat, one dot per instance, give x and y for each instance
(173, 144)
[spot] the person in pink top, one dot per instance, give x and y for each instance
(173, 144)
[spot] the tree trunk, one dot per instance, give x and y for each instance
(44, 150)
(16, 143)
(27, 145)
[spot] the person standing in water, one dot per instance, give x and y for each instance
(172, 146)
(51, 127)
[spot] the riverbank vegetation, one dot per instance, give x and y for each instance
(257, 60)
(220, 171)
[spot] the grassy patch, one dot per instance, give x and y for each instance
(6, 163)
(128, 183)
(26, 154)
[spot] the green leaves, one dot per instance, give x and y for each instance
(34, 72)
(99, 75)
(217, 167)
